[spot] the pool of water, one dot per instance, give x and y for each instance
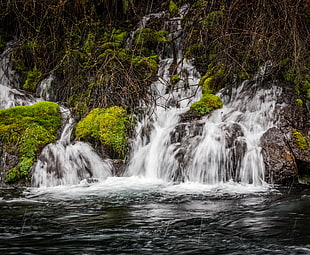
(140, 216)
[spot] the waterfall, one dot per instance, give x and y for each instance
(44, 89)
(223, 146)
(10, 95)
(61, 162)
(66, 163)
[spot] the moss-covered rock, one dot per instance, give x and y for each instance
(299, 139)
(149, 42)
(24, 130)
(33, 77)
(213, 80)
(206, 104)
(107, 126)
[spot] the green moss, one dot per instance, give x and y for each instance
(299, 103)
(173, 9)
(147, 40)
(299, 139)
(213, 80)
(206, 104)
(13, 175)
(89, 43)
(148, 64)
(175, 79)
(32, 80)
(304, 179)
(106, 125)
(1, 43)
(305, 86)
(29, 129)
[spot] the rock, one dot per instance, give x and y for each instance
(7, 161)
(280, 164)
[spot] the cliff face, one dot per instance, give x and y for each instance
(107, 53)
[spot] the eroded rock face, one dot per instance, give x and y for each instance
(280, 165)
(284, 159)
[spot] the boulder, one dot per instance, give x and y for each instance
(280, 164)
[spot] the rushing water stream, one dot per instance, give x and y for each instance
(185, 190)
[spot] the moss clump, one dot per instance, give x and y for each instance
(299, 102)
(213, 80)
(173, 9)
(206, 104)
(175, 79)
(24, 130)
(148, 41)
(299, 139)
(106, 125)
(32, 80)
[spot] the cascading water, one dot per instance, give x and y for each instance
(65, 163)
(61, 162)
(218, 148)
(10, 95)
(223, 146)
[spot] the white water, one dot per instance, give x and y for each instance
(62, 162)
(223, 153)
(10, 95)
(228, 147)
(66, 163)
(44, 89)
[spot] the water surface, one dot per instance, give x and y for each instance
(140, 216)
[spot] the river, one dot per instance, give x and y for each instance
(131, 215)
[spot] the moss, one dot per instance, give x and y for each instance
(214, 79)
(175, 79)
(206, 104)
(173, 9)
(1, 44)
(13, 175)
(147, 40)
(89, 43)
(32, 80)
(28, 128)
(299, 139)
(299, 103)
(106, 125)
(148, 64)
(304, 179)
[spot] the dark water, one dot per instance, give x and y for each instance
(154, 221)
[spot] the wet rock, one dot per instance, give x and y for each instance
(280, 164)
(118, 167)
(7, 162)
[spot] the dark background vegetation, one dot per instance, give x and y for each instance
(81, 42)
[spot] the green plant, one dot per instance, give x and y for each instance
(299, 139)
(147, 41)
(175, 79)
(214, 79)
(206, 104)
(299, 102)
(106, 125)
(32, 80)
(173, 8)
